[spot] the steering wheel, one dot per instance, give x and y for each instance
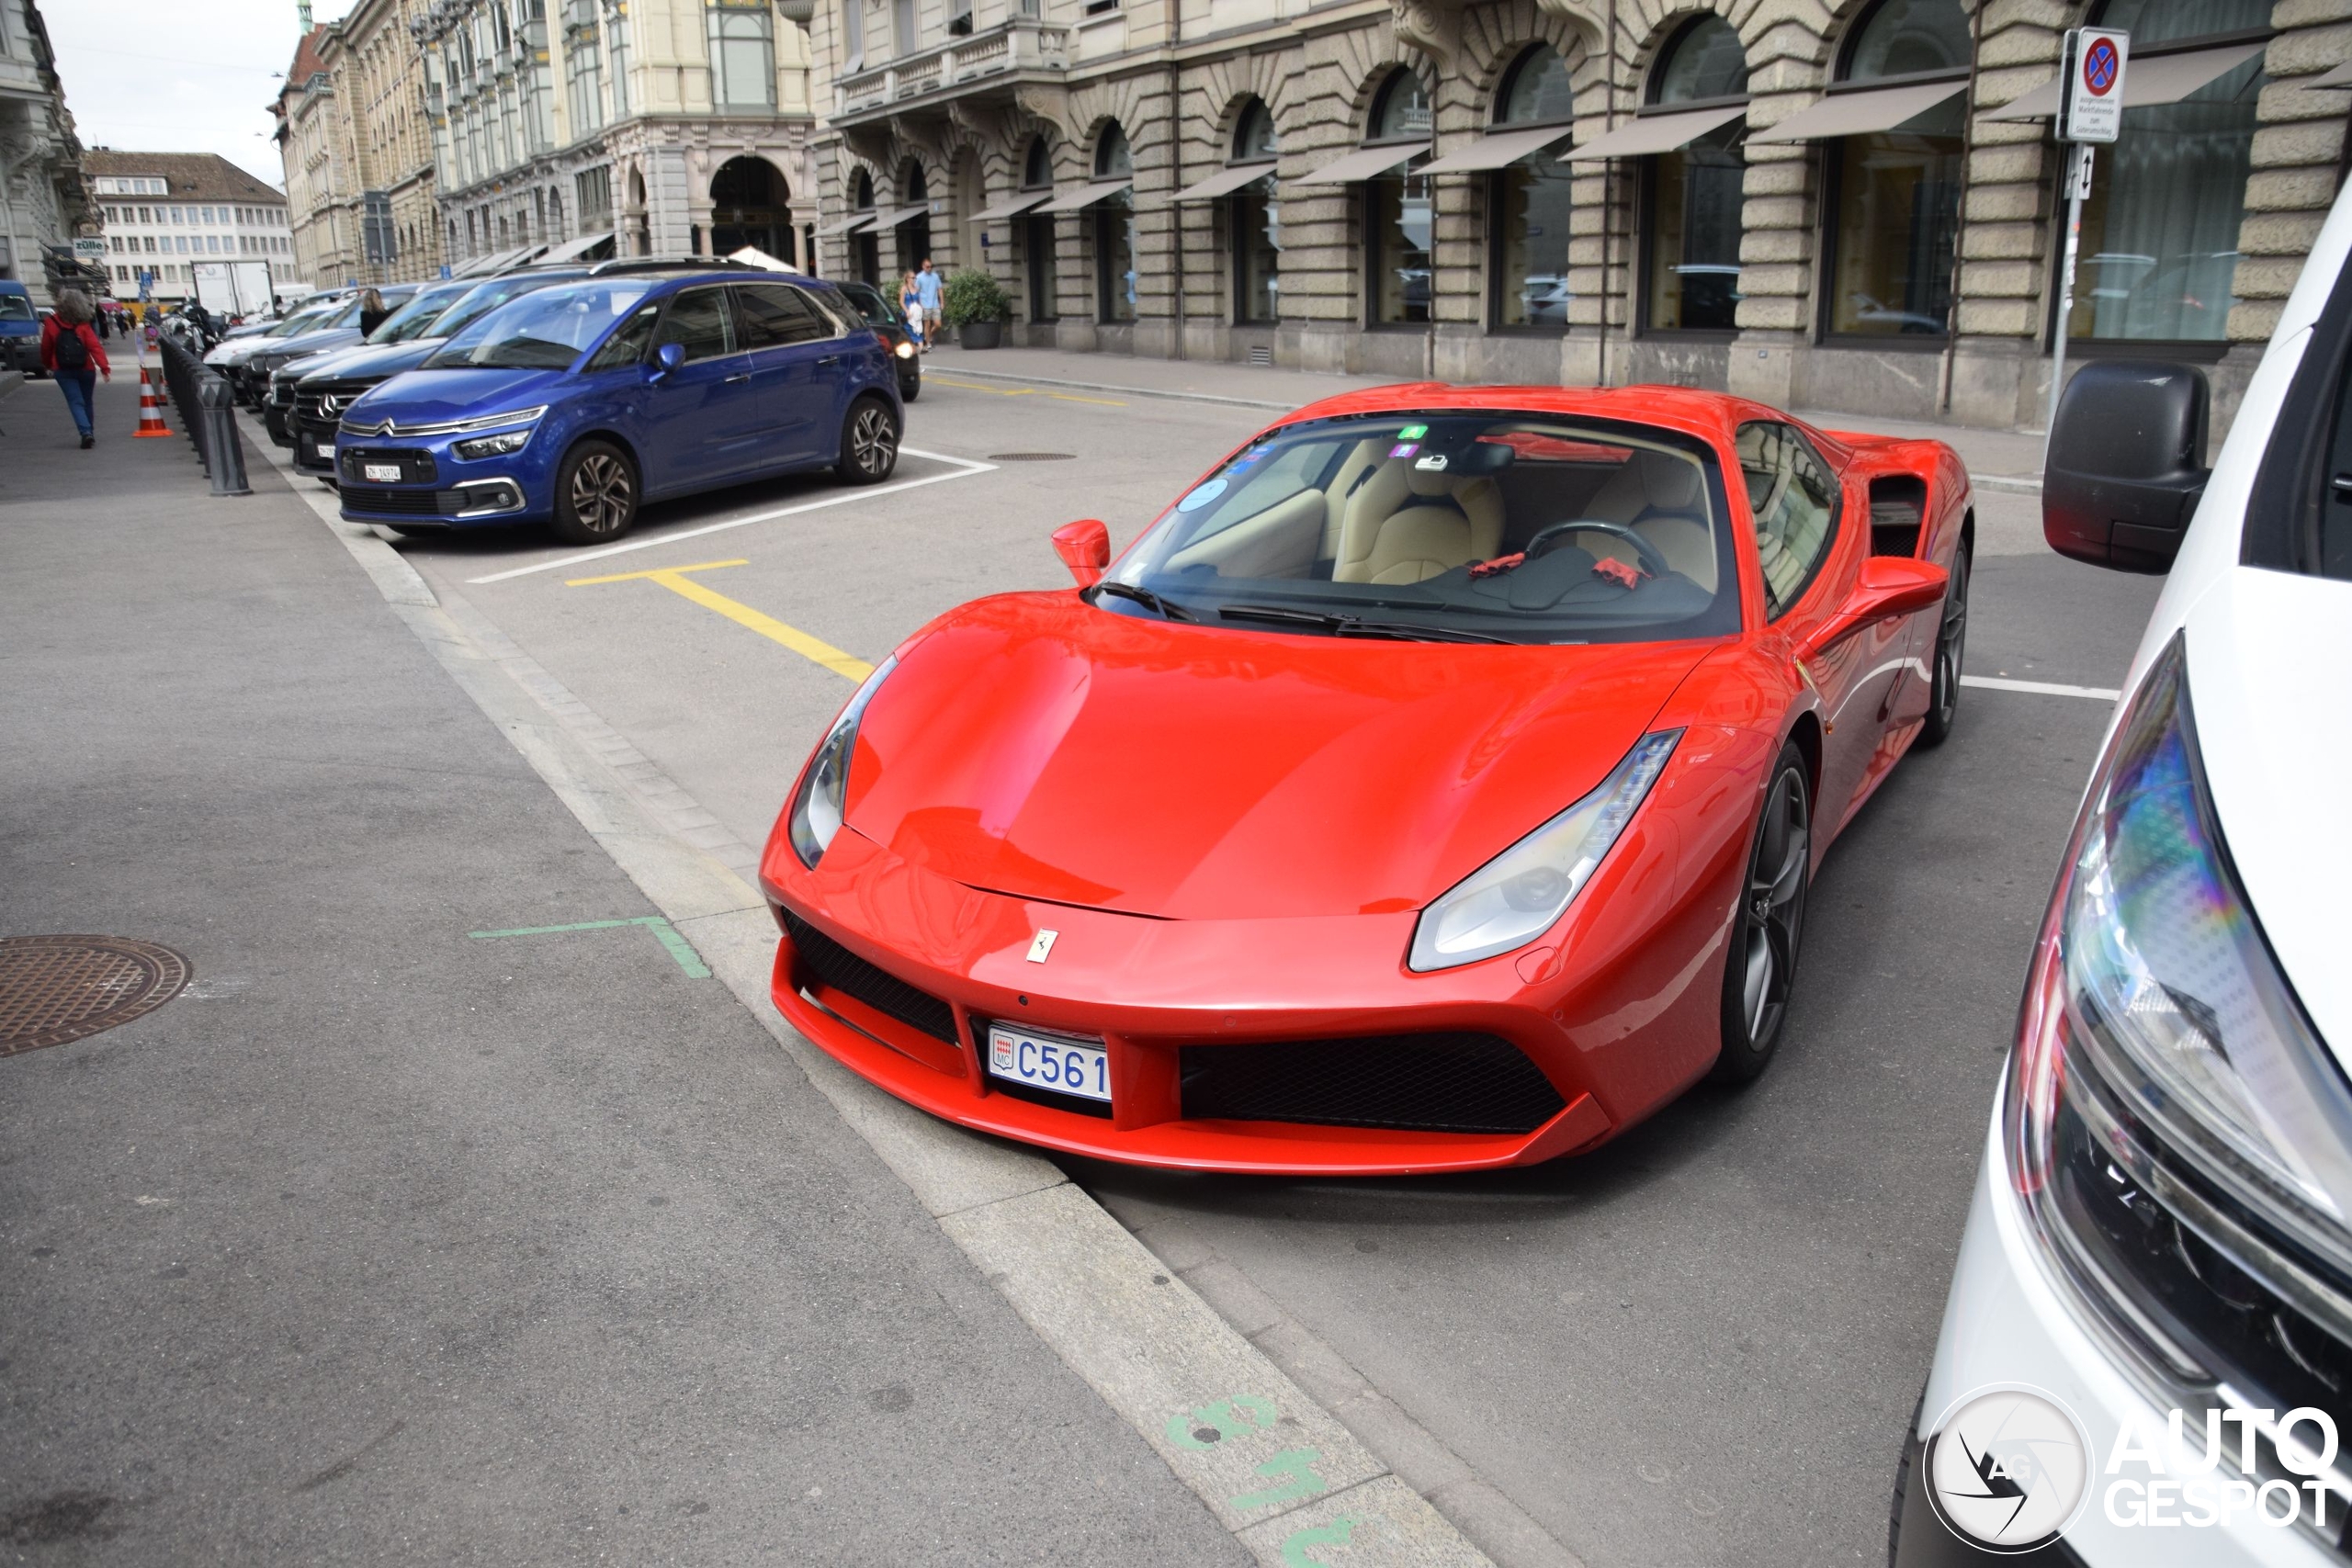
(1654, 562)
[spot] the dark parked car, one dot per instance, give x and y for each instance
(884, 318)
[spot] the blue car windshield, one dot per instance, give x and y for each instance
(545, 330)
(15, 308)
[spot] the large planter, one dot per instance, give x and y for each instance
(980, 334)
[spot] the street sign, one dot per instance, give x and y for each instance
(2090, 103)
(146, 287)
(445, 269)
(90, 250)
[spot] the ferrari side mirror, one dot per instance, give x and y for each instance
(2127, 464)
(1085, 548)
(1886, 586)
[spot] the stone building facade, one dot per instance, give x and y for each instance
(357, 149)
(584, 128)
(43, 204)
(1832, 204)
(167, 213)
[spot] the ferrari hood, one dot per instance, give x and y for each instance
(1035, 745)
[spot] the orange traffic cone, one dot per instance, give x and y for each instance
(151, 408)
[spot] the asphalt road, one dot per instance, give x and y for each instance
(1698, 1345)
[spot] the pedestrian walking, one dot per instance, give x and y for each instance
(372, 312)
(927, 288)
(104, 324)
(911, 307)
(70, 351)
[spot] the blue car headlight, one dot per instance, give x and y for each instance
(1522, 892)
(493, 445)
(824, 802)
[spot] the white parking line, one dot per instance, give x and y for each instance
(2039, 688)
(965, 468)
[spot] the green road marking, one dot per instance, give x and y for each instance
(1336, 1533)
(1295, 1469)
(1226, 1418)
(677, 947)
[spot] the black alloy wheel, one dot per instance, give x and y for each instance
(869, 443)
(1952, 645)
(1768, 926)
(596, 494)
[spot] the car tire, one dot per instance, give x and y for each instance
(1766, 925)
(596, 494)
(869, 451)
(910, 389)
(1951, 646)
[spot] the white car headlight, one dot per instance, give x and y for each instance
(1522, 892)
(823, 801)
(906, 351)
(493, 445)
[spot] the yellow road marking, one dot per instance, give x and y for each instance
(675, 580)
(1027, 392)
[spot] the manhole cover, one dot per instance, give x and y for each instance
(56, 988)
(1033, 457)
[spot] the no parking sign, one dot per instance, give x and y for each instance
(2091, 107)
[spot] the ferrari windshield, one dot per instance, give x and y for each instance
(544, 330)
(1484, 527)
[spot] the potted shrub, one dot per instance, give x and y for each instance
(976, 307)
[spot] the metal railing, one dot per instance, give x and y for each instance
(207, 405)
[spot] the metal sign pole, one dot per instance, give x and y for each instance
(2078, 184)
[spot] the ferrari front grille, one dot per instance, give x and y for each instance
(879, 988)
(1423, 1083)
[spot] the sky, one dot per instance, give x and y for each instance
(179, 75)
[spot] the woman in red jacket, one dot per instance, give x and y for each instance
(70, 351)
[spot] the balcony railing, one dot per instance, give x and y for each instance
(1023, 43)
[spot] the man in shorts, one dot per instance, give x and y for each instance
(927, 290)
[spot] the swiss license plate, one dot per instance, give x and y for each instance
(1048, 1060)
(323, 448)
(386, 473)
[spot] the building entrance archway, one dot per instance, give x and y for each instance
(750, 205)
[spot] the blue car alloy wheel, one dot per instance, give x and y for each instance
(595, 493)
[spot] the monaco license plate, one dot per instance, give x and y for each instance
(323, 448)
(1049, 1061)
(384, 473)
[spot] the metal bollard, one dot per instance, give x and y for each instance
(227, 454)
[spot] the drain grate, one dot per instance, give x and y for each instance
(1033, 457)
(56, 988)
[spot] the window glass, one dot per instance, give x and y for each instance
(1039, 242)
(1902, 38)
(1037, 169)
(1539, 91)
(778, 314)
(1697, 214)
(1403, 109)
(1475, 525)
(416, 319)
(1532, 210)
(1793, 497)
(544, 330)
(698, 321)
(1112, 159)
(1257, 252)
(2152, 22)
(15, 308)
(1705, 61)
(627, 345)
(2334, 541)
(1114, 255)
(1254, 138)
(1397, 235)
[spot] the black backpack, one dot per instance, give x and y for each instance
(72, 353)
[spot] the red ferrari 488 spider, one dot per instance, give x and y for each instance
(1435, 785)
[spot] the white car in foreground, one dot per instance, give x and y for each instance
(2146, 1358)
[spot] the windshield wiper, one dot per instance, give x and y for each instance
(1355, 626)
(1169, 609)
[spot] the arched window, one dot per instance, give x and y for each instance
(1528, 259)
(2160, 227)
(1693, 203)
(1114, 229)
(1894, 194)
(1038, 240)
(1254, 219)
(1397, 214)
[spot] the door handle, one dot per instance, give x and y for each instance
(829, 359)
(738, 375)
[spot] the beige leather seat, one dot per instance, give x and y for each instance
(1406, 524)
(1663, 499)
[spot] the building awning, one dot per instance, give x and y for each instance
(1014, 208)
(1225, 182)
(2150, 81)
(1497, 148)
(898, 215)
(1644, 135)
(2339, 77)
(1087, 196)
(1363, 164)
(849, 225)
(1861, 114)
(574, 248)
(475, 267)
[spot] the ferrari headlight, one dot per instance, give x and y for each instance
(493, 445)
(1519, 894)
(823, 800)
(2166, 990)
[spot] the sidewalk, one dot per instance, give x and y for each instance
(387, 1241)
(1997, 455)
